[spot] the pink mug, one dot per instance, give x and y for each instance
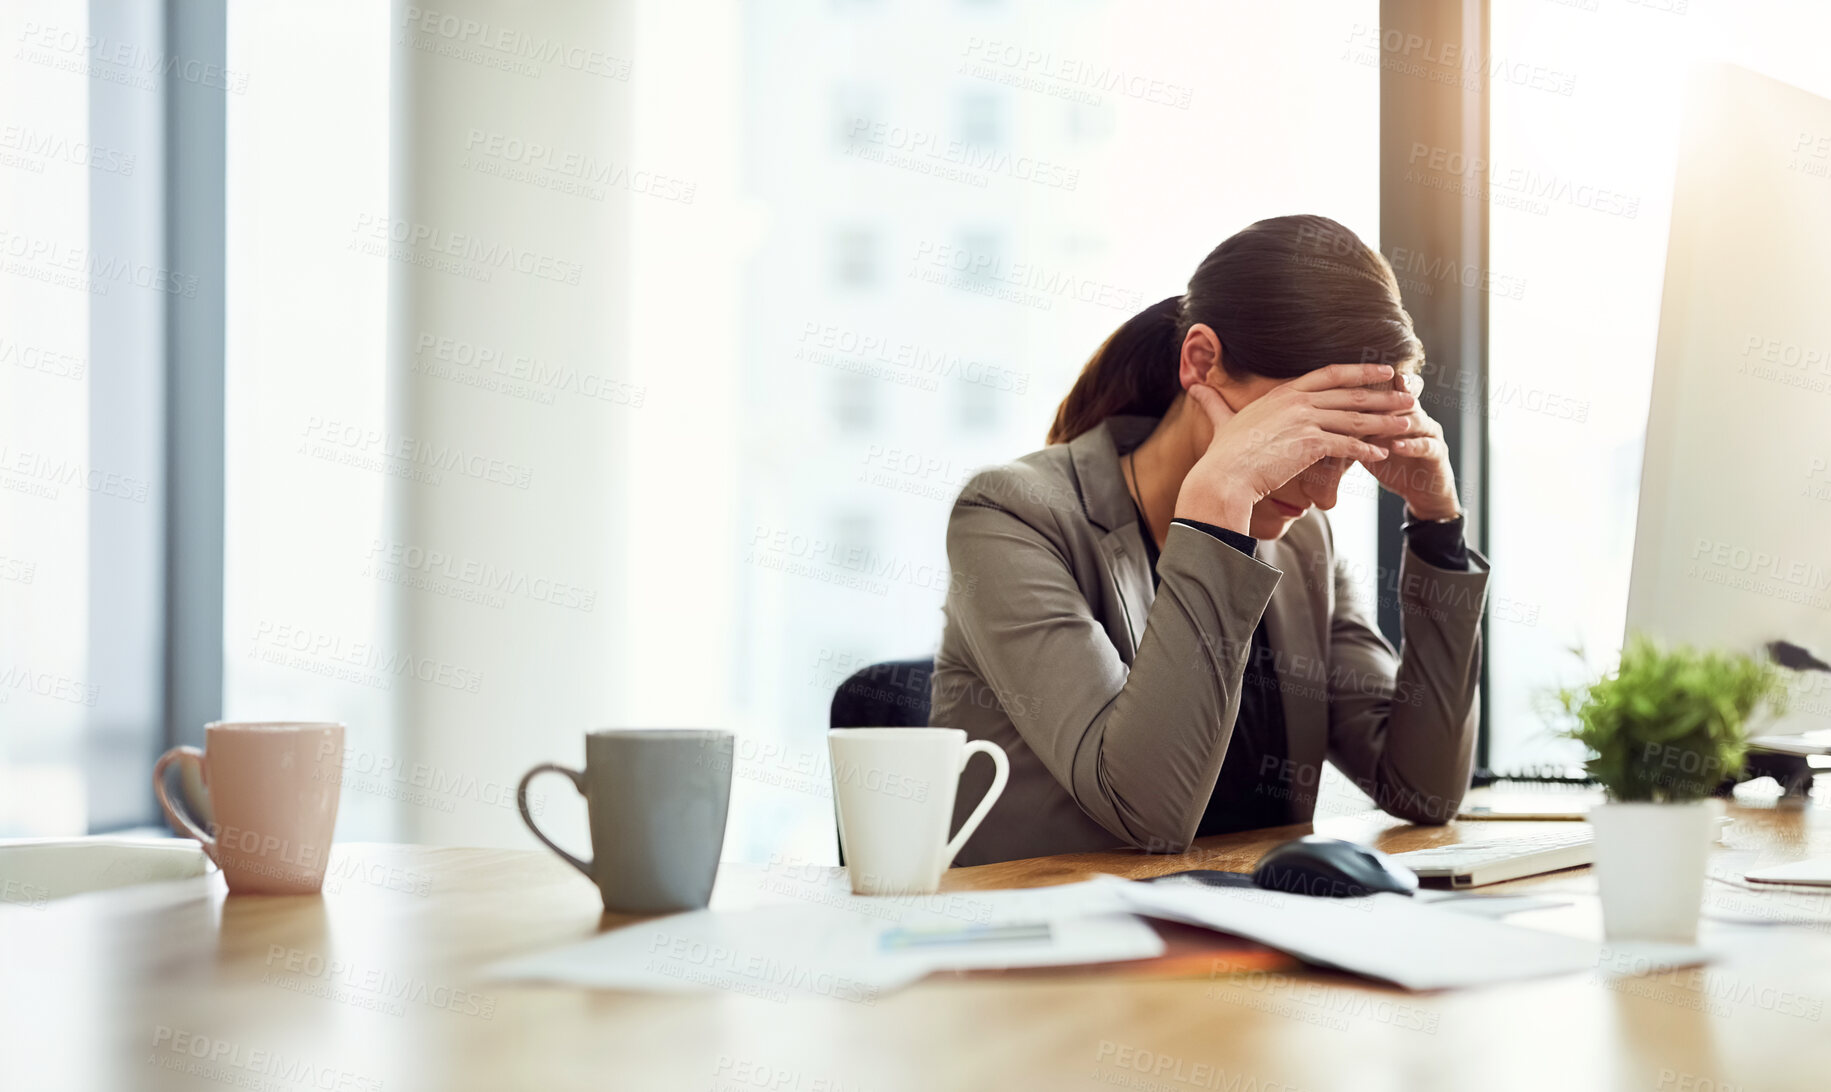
(273, 800)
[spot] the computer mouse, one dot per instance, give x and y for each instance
(1332, 868)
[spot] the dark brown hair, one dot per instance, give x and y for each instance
(1285, 296)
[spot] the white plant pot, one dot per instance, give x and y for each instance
(1650, 865)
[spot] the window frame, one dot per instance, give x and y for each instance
(1424, 100)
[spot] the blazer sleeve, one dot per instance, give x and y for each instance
(1402, 727)
(1138, 748)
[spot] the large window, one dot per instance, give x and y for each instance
(869, 247)
(46, 691)
(911, 226)
(83, 291)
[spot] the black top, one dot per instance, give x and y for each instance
(1254, 788)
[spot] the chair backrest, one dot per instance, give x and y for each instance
(886, 695)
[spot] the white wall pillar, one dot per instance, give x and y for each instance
(508, 241)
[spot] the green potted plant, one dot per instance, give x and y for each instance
(1664, 730)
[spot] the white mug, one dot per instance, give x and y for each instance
(895, 790)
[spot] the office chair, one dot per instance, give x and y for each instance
(887, 695)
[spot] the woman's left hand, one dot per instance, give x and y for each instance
(1419, 467)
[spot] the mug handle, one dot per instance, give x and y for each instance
(179, 817)
(1001, 773)
(521, 801)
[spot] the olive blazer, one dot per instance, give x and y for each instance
(1115, 700)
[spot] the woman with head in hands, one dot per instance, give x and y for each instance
(1148, 615)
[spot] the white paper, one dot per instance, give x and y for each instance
(836, 944)
(1486, 906)
(771, 952)
(1391, 937)
(1815, 872)
(1105, 938)
(1816, 742)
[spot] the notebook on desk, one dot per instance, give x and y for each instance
(1804, 744)
(1523, 798)
(1531, 807)
(1812, 873)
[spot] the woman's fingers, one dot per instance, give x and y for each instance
(1343, 375)
(1372, 399)
(1414, 446)
(1211, 403)
(1348, 447)
(1355, 423)
(1418, 447)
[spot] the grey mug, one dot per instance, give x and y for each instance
(657, 800)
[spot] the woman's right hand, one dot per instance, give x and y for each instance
(1318, 415)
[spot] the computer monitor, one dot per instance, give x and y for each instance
(1733, 545)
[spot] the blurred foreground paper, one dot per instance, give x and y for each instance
(1396, 939)
(848, 947)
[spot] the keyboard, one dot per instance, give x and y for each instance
(1474, 864)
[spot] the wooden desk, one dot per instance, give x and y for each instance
(121, 989)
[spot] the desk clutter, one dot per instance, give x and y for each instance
(658, 801)
(779, 932)
(879, 924)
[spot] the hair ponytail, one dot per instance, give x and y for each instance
(1133, 371)
(1285, 296)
